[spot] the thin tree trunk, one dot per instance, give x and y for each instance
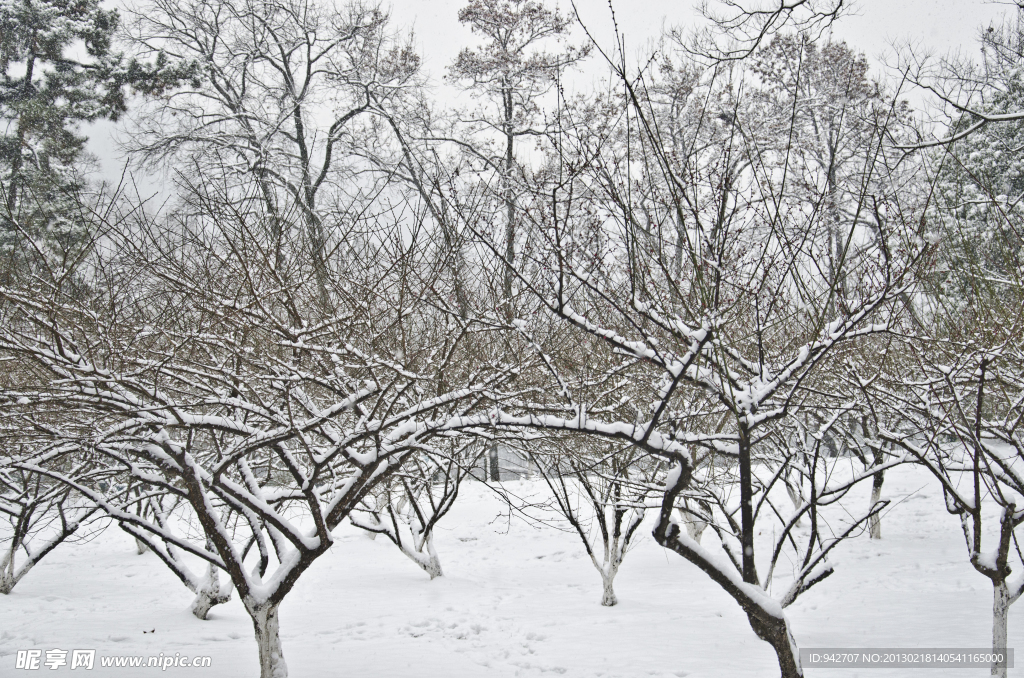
(746, 508)
(875, 522)
(798, 501)
(493, 459)
(510, 210)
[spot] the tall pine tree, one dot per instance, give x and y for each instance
(59, 71)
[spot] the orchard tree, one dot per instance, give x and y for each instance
(963, 422)
(256, 421)
(408, 506)
(601, 490)
(724, 347)
(38, 513)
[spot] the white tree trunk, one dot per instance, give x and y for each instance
(425, 557)
(203, 603)
(695, 527)
(1000, 613)
(140, 546)
(9, 576)
(268, 640)
(608, 598)
(875, 521)
(209, 594)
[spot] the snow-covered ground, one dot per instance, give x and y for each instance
(517, 599)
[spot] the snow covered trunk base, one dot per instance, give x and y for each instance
(429, 561)
(425, 556)
(9, 577)
(608, 598)
(1000, 612)
(204, 602)
(209, 594)
(140, 546)
(268, 639)
(7, 582)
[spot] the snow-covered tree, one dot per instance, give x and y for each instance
(962, 421)
(408, 506)
(39, 513)
(600, 491)
(699, 274)
(202, 367)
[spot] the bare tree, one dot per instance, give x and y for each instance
(601, 490)
(286, 94)
(962, 422)
(407, 508)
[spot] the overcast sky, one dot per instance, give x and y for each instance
(938, 26)
(870, 25)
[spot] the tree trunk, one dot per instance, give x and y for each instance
(268, 639)
(140, 546)
(1000, 613)
(875, 521)
(775, 632)
(426, 558)
(495, 468)
(208, 595)
(203, 603)
(797, 499)
(608, 598)
(694, 525)
(9, 576)
(433, 566)
(746, 508)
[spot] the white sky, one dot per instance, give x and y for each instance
(872, 26)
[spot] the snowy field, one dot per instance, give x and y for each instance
(517, 599)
